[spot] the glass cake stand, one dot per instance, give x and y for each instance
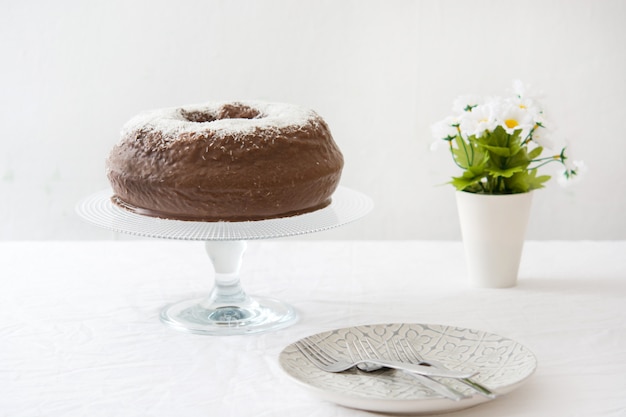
(228, 309)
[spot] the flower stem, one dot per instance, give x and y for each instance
(454, 158)
(546, 161)
(470, 161)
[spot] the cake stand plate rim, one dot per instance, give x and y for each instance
(347, 205)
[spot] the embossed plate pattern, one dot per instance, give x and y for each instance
(502, 363)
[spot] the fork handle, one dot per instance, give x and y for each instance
(481, 389)
(421, 369)
(437, 387)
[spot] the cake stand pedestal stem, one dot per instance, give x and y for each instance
(228, 298)
(226, 258)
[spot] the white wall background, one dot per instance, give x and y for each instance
(379, 71)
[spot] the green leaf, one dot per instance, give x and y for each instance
(525, 181)
(518, 183)
(499, 150)
(505, 172)
(520, 160)
(470, 177)
(499, 137)
(533, 154)
(463, 152)
(462, 183)
(501, 143)
(538, 181)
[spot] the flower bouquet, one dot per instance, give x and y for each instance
(498, 143)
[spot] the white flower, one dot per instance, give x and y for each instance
(527, 102)
(573, 172)
(479, 120)
(541, 136)
(530, 106)
(445, 129)
(513, 117)
(467, 102)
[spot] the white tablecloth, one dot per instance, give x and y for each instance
(80, 334)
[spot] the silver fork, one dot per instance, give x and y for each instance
(412, 356)
(371, 354)
(329, 362)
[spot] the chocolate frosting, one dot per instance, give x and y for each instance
(225, 162)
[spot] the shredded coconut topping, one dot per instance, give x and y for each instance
(172, 122)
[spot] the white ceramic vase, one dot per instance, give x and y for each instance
(493, 229)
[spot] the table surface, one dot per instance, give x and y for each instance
(80, 334)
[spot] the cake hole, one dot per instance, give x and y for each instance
(197, 116)
(227, 111)
(237, 111)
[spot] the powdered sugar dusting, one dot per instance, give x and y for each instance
(171, 122)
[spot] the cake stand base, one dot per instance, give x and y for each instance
(258, 315)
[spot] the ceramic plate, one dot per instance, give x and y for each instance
(502, 363)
